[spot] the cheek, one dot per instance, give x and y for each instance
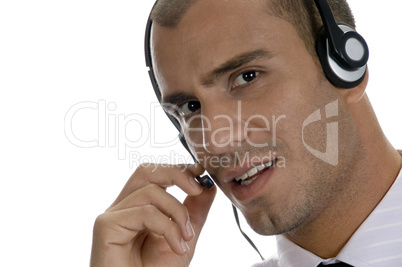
(193, 129)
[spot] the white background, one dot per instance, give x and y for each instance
(55, 54)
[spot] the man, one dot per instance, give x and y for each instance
(245, 83)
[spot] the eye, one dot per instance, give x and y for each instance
(189, 107)
(245, 78)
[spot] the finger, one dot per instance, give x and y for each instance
(165, 176)
(155, 195)
(119, 228)
(198, 208)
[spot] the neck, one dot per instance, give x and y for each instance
(328, 233)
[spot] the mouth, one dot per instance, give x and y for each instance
(251, 175)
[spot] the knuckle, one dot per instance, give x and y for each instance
(146, 168)
(149, 211)
(101, 222)
(141, 171)
(145, 171)
(150, 192)
(151, 188)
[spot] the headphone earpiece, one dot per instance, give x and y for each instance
(343, 52)
(350, 71)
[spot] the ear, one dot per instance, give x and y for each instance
(353, 95)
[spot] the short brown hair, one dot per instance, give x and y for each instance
(302, 14)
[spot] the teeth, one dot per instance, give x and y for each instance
(261, 167)
(247, 182)
(269, 164)
(243, 178)
(252, 172)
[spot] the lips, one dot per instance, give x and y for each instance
(248, 182)
(246, 171)
(252, 174)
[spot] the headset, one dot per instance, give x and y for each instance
(343, 54)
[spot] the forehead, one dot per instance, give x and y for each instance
(211, 32)
(171, 13)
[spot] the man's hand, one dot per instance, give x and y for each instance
(146, 226)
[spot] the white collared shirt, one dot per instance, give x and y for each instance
(377, 242)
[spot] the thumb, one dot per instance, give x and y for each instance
(198, 208)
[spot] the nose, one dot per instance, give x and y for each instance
(222, 127)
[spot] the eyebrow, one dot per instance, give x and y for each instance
(234, 63)
(170, 102)
(230, 65)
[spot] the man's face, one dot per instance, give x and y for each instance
(242, 84)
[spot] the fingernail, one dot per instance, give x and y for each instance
(189, 229)
(184, 245)
(193, 182)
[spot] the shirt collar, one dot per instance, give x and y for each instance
(377, 242)
(292, 255)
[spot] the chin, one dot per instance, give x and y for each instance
(263, 224)
(268, 222)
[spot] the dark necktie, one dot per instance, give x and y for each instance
(339, 264)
